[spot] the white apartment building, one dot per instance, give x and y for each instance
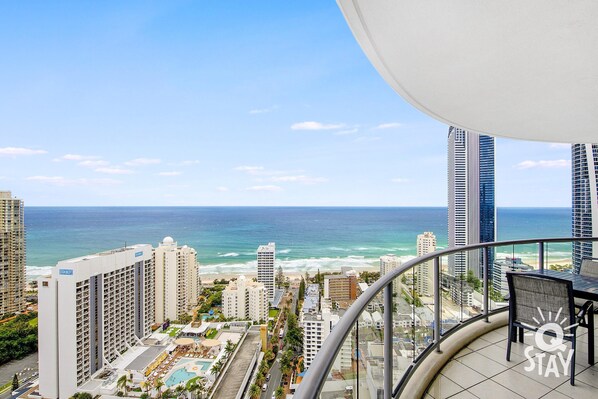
(92, 309)
(266, 257)
(177, 280)
(426, 243)
(12, 254)
(388, 263)
(245, 299)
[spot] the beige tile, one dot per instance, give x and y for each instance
(482, 364)
(493, 337)
(464, 395)
(555, 395)
(499, 355)
(551, 382)
(443, 387)
(589, 376)
(461, 374)
(521, 384)
(492, 390)
(478, 344)
(578, 391)
(462, 352)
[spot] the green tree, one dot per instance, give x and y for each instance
(145, 395)
(279, 393)
(254, 391)
(15, 382)
(123, 383)
(229, 347)
(85, 395)
(158, 384)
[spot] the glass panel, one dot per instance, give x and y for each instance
(559, 256)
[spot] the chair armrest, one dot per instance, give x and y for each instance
(587, 308)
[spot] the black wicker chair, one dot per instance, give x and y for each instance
(532, 293)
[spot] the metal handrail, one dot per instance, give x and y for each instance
(316, 375)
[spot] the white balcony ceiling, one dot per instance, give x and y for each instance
(525, 69)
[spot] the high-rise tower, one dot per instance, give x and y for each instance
(12, 254)
(266, 257)
(471, 207)
(426, 243)
(584, 179)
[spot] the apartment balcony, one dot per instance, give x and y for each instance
(456, 345)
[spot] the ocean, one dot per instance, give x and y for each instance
(307, 238)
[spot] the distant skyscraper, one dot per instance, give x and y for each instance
(471, 206)
(387, 264)
(426, 243)
(177, 280)
(584, 181)
(266, 257)
(12, 254)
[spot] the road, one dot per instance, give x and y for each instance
(275, 372)
(24, 368)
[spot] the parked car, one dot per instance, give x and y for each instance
(264, 387)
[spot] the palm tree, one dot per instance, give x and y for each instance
(260, 378)
(123, 383)
(216, 368)
(179, 390)
(84, 395)
(254, 391)
(229, 348)
(158, 384)
(279, 393)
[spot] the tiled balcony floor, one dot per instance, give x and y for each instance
(481, 371)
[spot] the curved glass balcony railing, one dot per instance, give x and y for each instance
(384, 336)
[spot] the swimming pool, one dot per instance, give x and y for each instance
(185, 369)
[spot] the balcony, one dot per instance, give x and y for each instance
(455, 343)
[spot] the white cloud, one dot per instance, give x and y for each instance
(63, 181)
(252, 170)
(93, 163)
(263, 110)
(114, 171)
(222, 189)
(77, 157)
(346, 132)
(174, 173)
(400, 180)
(298, 179)
(557, 163)
(15, 151)
(560, 146)
(264, 188)
(391, 125)
(311, 125)
(143, 161)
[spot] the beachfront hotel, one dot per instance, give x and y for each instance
(387, 264)
(341, 287)
(584, 181)
(266, 257)
(245, 300)
(426, 243)
(471, 209)
(92, 309)
(12, 254)
(177, 280)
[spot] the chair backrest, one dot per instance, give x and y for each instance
(534, 299)
(589, 267)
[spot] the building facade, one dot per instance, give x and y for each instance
(245, 299)
(471, 198)
(266, 257)
(388, 263)
(584, 180)
(12, 254)
(424, 273)
(177, 280)
(91, 310)
(340, 287)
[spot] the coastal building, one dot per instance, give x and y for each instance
(584, 181)
(311, 301)
(92, 309)
(500, 269)
(266, 257)
(471, 205)
(245, 299)
(12, 254)
(341, 287)
(424, 273)
(388, 263)
(177, 280)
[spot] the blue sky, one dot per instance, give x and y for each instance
(222, 103)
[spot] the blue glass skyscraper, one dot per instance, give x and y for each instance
(471, 198)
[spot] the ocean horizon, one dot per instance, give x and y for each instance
(307, 238)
